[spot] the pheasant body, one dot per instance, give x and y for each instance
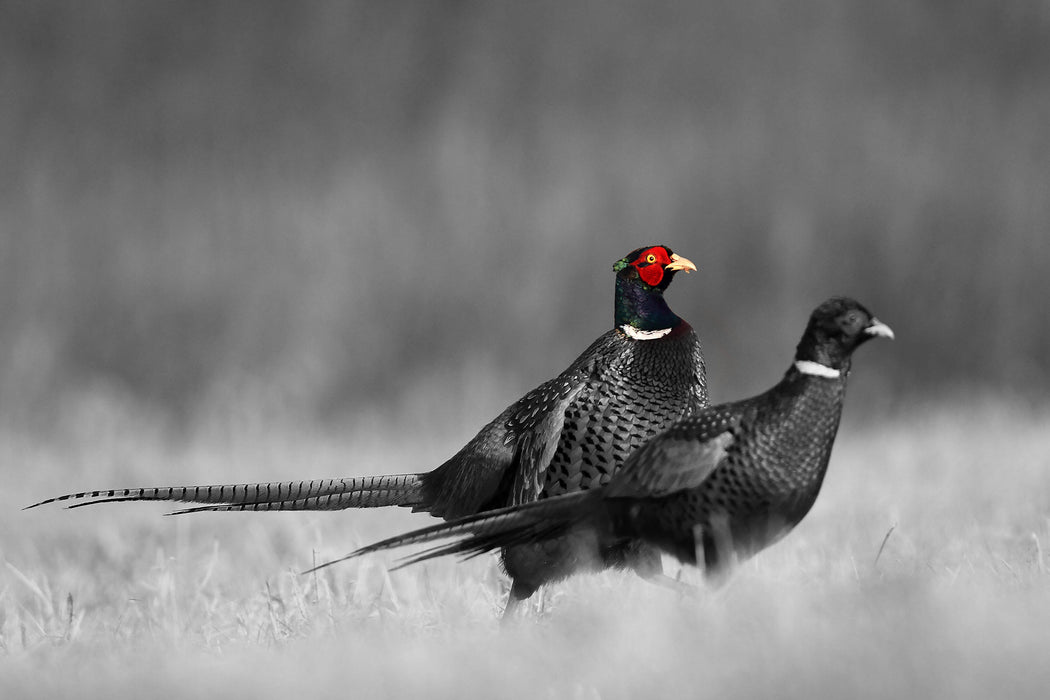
(631, 390)
(778, 449)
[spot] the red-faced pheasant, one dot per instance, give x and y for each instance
(716, 487)
(569, 434)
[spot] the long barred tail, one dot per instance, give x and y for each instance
(531, 522)
(316, 494)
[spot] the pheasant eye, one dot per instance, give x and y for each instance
(851, 322)
(650, 258)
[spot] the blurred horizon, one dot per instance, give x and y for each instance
(411, 209)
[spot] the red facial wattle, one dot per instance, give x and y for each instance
(652, 274)
(650, 265)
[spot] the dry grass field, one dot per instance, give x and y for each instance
(921, 572)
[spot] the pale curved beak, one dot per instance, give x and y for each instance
(877, 327)
(680, 264)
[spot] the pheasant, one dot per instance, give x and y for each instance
(714, 488)
(569, 434)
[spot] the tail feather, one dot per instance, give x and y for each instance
(476, 545)
(316, 494)
(495, 529)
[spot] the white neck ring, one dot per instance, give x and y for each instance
(815, 369)
(638, 334)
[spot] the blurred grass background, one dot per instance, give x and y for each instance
(324, 209)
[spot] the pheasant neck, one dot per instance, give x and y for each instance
(642, 308)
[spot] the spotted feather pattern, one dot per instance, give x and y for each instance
(620, 393)
(765, 483)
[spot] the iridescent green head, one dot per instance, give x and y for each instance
(641, 278)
